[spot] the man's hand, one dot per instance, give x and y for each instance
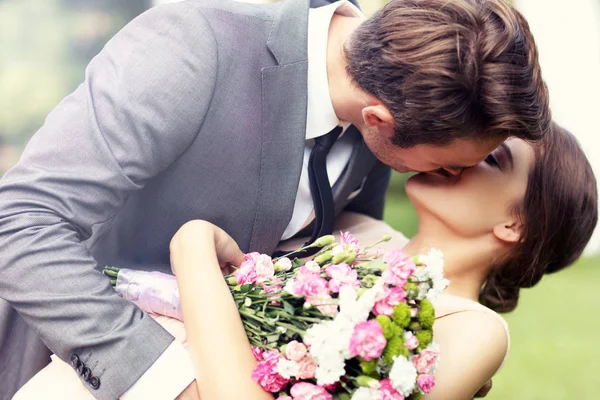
(190, 392)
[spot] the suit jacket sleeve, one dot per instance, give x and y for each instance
(141, 105)
(371, 200)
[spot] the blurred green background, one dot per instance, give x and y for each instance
(44, 48)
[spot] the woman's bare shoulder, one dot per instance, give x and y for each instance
(473, 346)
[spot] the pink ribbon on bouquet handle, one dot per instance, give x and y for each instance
(153, 292)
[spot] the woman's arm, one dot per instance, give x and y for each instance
(473, 345)
(220, 350)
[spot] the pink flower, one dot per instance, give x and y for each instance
(426, 383)
(258, 353)
(425, 361)
(411, 343)
(387, 391)
(313, 266)
(342, 275)
(350, 242)
(307, 368)
(295, 350)
(265, 374)
(264, 268)
(246, 273)
(283, 264)
(367, 340)
(324, 303)
(308, 391)
(251, 257)
(399, 268)
(310, 285)
(387, 299)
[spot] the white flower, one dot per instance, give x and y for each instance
(312, 266)
(283, 264)
(287, 368)
(364, 393)
(420, 274)
(423, 290)
(434, 266)
(403, 375)
(289, 287)
(337, 250)
(330, 341)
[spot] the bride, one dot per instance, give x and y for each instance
(525, 211)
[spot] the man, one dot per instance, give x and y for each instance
(235, 113)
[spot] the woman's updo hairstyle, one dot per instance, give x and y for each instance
(558, 216)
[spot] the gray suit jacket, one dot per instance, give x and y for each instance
(195, 110)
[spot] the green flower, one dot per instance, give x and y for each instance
(351, 257)
(424, 337)
(366, 381)
(386, 326)
(395, 347)
(426, 314)
(415, 396)
(415, 326)
(323, 258)
(339, 258)
(369, 368)
(369, 280)
(412, 290)
(401, 315)
(323, 241)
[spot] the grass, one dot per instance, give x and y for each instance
(553, 354)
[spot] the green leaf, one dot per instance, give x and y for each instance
(247, 287)
(272, 338)
(288, 308)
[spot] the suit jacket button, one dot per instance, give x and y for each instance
(94, 382)
(86, 374)
(80, 367)
(74, 360)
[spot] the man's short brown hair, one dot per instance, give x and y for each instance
(451, 69)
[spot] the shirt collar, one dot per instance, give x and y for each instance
(320, 115)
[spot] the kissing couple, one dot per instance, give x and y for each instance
(205, 129)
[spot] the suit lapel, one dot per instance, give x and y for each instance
(284, 103)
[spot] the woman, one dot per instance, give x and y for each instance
(523, 212)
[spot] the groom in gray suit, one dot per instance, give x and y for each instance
(242, 115)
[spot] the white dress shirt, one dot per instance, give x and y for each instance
(320, 115)
(173, 371)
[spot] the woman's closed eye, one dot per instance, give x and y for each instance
(491, 160)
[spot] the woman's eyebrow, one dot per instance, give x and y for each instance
(504, 147)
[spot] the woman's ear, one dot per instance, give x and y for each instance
(377, 115)
(508, 232)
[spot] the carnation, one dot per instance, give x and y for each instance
(364, 393)
(367, 340)
(308, 391)
(403, 376)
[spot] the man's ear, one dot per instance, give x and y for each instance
(508, 232)
(377, 115)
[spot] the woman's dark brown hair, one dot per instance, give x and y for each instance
(451, 69)
(558, 216)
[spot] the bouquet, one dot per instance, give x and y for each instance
(350, 323)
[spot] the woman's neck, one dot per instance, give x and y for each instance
(467, 261)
